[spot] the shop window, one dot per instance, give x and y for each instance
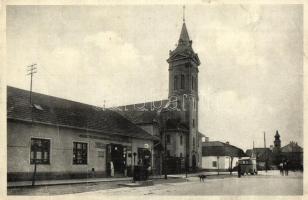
(40, 151)
(168, 139)
(214, 163)
(80, 153)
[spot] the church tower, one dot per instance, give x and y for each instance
(277, 141)
(183, 89)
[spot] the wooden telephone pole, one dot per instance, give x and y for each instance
(31, 69)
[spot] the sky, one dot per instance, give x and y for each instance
(250, 77)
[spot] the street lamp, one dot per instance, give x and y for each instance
(165, 156)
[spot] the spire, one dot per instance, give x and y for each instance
(277, 134)
(184, 38)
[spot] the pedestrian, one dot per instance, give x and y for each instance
(281, 168)
(286, 168)
(239, 170)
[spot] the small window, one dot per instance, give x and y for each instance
(80, 153)
(40, 151)
(181, 140)
(214, 163)
(168, 139)
(182, 81)
(181, 155)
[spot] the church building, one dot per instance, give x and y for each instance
(175, 120)
(50, 137)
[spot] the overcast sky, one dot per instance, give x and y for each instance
(251, 71)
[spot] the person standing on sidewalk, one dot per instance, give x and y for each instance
(239, 170)
(286, 169)
(281, 168)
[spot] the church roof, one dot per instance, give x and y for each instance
(142, 113)
(61, 112)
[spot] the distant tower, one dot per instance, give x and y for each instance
(183, 86)
(276, 149)
(277, 142)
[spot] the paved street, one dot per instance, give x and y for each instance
(264, 184)
(247, 185)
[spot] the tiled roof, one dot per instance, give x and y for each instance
(62, 112)
(291, 147)
(153, 112)
(142, 113)
(216, 148)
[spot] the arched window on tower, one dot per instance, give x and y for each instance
(194, 143)
(182, 81)
(175, 84)
(181, 140)
(192, 83)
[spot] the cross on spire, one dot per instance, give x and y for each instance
(184, 14)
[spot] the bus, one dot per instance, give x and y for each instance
(248, 166)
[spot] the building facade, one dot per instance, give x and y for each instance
(67, 139)
(219, 156)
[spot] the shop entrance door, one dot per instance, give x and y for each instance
(117, 157)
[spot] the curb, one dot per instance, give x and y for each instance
(67, 183)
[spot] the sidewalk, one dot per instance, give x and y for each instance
(96, 180)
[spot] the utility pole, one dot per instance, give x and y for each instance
(266, 155)
(31, 69)
(253, 149)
